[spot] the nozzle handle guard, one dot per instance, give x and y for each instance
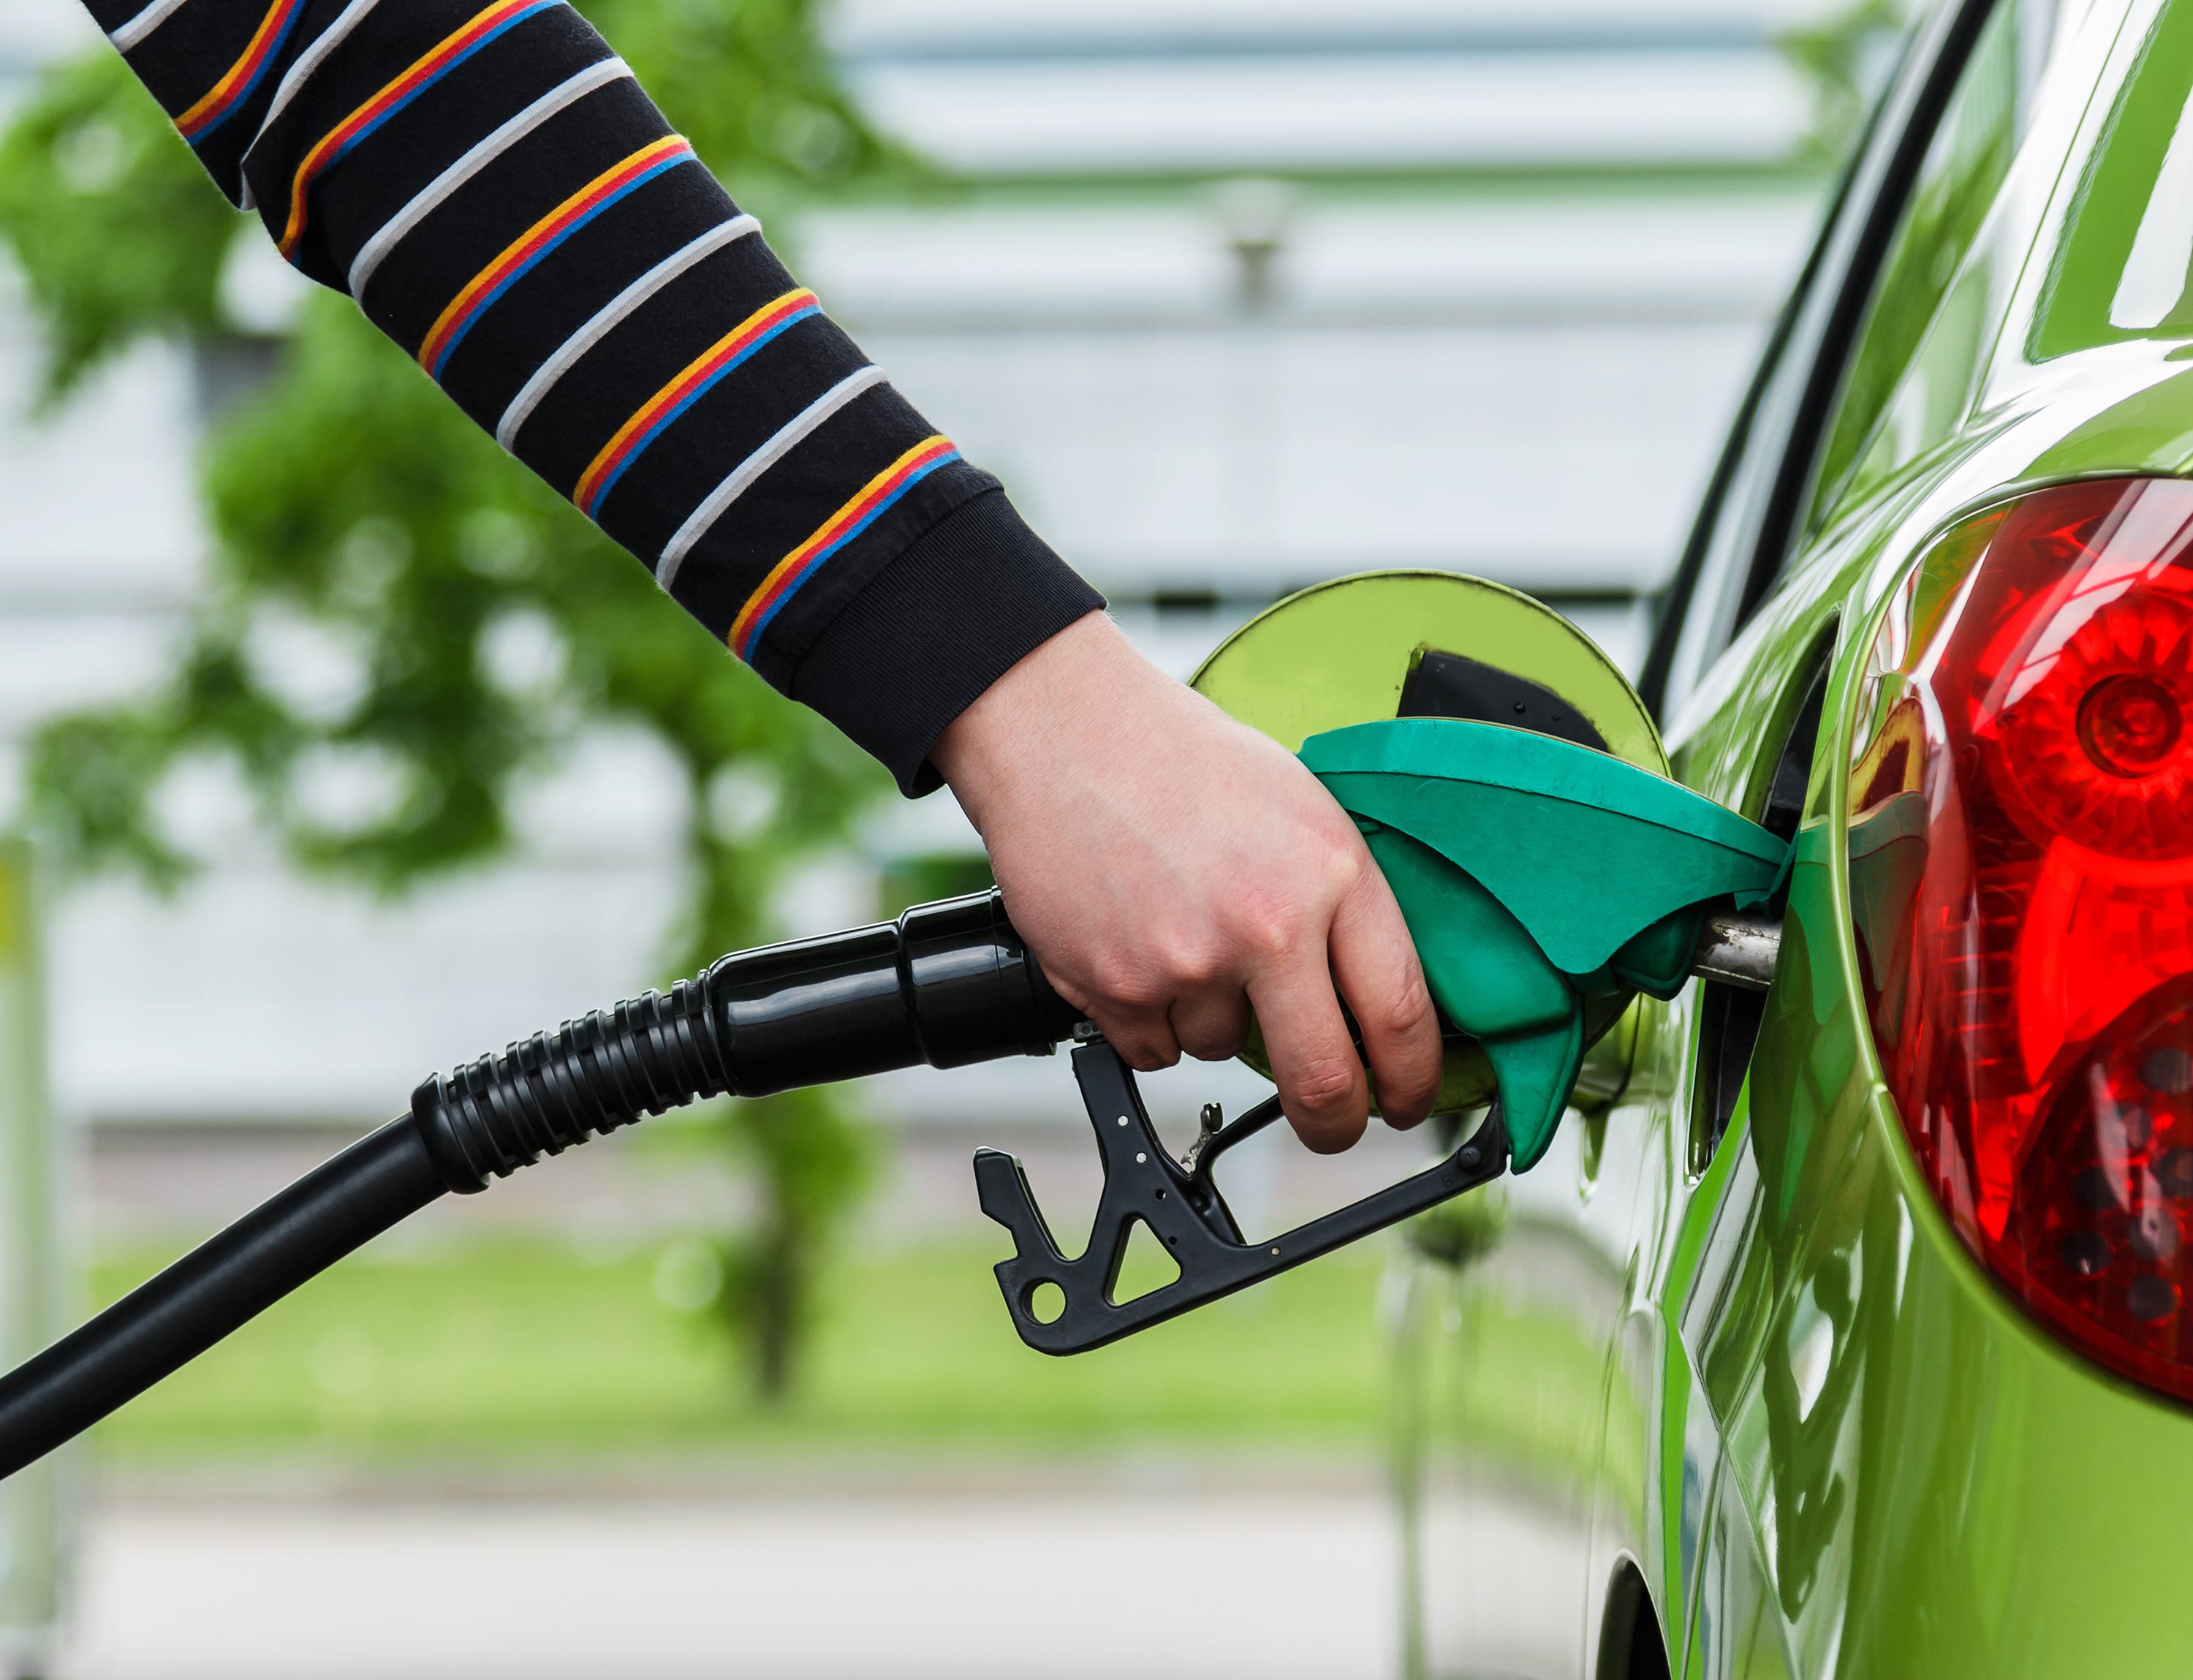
(1180, 1203)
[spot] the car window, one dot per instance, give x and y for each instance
(2125, 256)
(1752, 506)
(1963, 172)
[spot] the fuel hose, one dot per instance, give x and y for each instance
(947, 984)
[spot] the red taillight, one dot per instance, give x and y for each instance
(2022, 882)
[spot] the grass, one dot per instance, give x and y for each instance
(534, 1348)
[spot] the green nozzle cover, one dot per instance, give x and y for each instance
(1534, 872)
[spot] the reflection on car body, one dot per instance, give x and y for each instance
(1849, 1334)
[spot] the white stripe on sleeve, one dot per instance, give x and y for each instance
(310, 60)
(786, 438)
(423, 204)
(603, 319)
(144, 24)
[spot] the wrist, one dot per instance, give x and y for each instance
(1059, 692)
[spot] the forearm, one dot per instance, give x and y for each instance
(505, 202)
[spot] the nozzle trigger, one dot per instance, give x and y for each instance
(1180, 1204)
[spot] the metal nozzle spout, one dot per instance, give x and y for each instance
(1738, 950)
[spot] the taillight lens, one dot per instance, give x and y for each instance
(2021, 850)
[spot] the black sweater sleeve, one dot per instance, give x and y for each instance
(495, 190)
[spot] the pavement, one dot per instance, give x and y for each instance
(1277, 1585)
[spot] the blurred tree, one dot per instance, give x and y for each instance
(116, 230)
(482, 623)
(1847, 57)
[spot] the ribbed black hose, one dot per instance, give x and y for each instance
(544, 1093)
(948, 984)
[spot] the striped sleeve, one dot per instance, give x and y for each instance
(501, 198)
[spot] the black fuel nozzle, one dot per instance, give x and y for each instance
(947, 984)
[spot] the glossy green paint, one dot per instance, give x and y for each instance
(1824, 1442)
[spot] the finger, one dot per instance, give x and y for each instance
(1375, 964)
(1139, 1032)
(1143, 1037)
(1321, 1082)
(1210, 1024)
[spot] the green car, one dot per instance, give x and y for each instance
(1849, 1329)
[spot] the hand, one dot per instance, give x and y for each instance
(1171, 869)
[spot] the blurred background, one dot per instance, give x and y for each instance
(345, 753)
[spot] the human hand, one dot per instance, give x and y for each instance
(1171, 869)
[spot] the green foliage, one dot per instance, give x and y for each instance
(1846, 56)
(815, 1169)
(749, 82)
(401, 624)
(118, 232)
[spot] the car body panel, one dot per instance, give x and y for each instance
(1783, 1393)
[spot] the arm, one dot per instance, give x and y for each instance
(502, 200)
(488, 181)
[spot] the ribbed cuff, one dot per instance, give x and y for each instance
(935, 628)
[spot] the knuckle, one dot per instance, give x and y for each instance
(1277, 923)
(1271, 928)
(1126, 981)
(1211, 1025)
(1214, 1042)
(1341, 860)
(1188, 963)
(1398, 1012)
(1348, 865)
(1324, 1085)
